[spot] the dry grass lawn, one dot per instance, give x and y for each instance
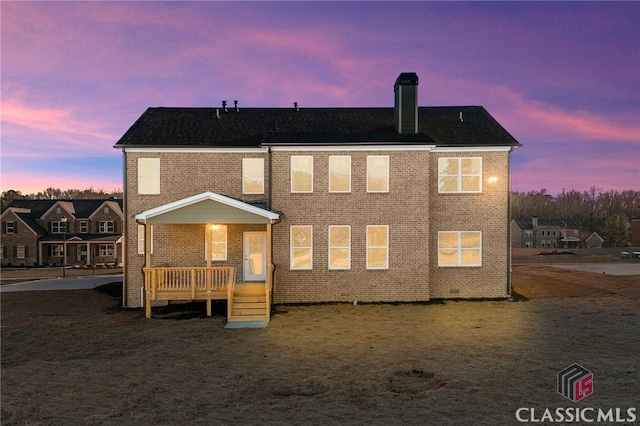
(76, 358)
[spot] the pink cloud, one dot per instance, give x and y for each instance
(73, 134)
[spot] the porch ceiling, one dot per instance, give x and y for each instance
(207, 207)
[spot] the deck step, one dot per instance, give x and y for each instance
(250, 299)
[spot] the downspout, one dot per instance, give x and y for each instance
(509, 223)
(269, 166)
(124, 228)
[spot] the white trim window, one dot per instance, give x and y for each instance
(253, 175)
(218, 248)
(459, 175)
(339, 247)
(10, 227)
(57, 250)
(105, 250)
(57, 227)
(141, 239)
(106, 227)
(148, 175)
(339, 173)
(377, 173)
(301, 244)
(83, 227)
(377, 247)
(21, 252)
(301, 173)
(459, 248)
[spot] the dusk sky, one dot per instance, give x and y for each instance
(562, 77)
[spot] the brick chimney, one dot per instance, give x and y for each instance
(405, 114)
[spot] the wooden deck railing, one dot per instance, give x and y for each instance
(189, 283)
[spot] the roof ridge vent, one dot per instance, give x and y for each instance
(235, 105)
(224, 106)
(295, 105)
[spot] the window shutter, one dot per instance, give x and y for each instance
(115, 226)
(26, 251)
(15, 251)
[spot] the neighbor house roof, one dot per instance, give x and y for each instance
(253, 127)
(551, 223)
(81, 209)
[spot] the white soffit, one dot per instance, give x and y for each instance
(207, 207)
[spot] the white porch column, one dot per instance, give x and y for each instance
(88, 261)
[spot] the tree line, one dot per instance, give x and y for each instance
(608, 213)
(59, 194)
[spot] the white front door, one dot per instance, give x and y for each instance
(255, 256)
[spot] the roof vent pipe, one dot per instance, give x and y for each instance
(295, 105)
(461, 119)
(235, 105)
(217, 113)
(224, 106)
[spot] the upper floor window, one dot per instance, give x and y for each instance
(377, 247)
(218, 242)
(301, 246)
(58, 227)
(339, 173)
(148, 175)
(83, 227)
(459, 248)
(301, 173)
(253, 175)
(459, 175)
(528, 233)
(106, 227)
(378, 173)
(339, 247)
(10, 227)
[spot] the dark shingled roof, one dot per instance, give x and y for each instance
(253, 127)
(558, 223)
(83, 208)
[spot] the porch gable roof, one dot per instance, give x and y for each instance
(207, 207)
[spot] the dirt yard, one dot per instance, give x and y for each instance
(77, 358)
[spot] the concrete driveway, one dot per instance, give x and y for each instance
(73, 283)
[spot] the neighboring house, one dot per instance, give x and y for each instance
(594, 241)
(36, 232)
(544, 233)
(316, 204)
(635, 232)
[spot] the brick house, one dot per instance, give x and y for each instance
(36, 232)
(305, 205)
(544, 233)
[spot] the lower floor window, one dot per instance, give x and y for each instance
(459, 248)
(301, 247)
(106, 250)
(377, 247)
(56, 251)
(21, 252)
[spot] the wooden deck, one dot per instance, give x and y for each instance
(246, 302)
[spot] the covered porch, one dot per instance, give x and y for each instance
(232, 262)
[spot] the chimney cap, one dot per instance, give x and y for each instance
(407, 78)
